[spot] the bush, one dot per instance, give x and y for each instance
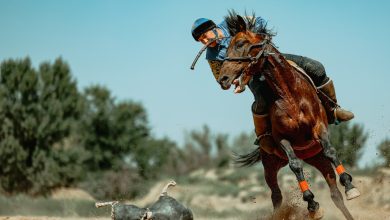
(124, 184)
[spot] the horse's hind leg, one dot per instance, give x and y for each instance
(272, 165)
(325, 167)
(296, 166)
(345, 178)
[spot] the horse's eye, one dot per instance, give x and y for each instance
(240, 43)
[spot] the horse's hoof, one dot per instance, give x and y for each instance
(352, 193)
(317, 214)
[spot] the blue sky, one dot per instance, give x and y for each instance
(142, 50)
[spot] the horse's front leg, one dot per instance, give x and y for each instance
(345, 178)
(296, 166)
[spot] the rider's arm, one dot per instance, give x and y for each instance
(215, 66)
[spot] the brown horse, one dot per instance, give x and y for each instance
(299, 121)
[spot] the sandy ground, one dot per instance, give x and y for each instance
(374, 202)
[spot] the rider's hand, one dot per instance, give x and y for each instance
(238, 88)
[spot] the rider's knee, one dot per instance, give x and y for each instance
(316, 71)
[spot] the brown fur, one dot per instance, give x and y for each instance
(296, 113)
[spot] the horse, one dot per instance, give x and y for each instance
(299, 123)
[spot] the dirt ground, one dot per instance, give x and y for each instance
(374, 202)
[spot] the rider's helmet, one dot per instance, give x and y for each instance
(200, 26)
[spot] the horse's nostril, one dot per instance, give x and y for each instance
(224, 79)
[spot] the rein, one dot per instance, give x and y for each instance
(203, 49)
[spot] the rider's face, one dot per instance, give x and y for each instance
(207, 37)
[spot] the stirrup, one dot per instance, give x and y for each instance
(336, 120)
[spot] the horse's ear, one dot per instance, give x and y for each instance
(241, 23)
(235, 23)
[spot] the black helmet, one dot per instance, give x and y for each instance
(200, 26)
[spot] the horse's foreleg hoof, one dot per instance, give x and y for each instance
(319, 214)
(352, 193)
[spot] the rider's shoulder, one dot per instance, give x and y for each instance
(224, 27)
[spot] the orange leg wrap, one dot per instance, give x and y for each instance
(303, 185)
(340, 169)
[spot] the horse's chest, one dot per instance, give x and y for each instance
(291, 115)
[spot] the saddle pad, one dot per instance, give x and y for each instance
(302, 152)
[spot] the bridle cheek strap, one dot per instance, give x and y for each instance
(246, 74)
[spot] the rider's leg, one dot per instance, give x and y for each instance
(263, 131)
(317, 73)
(260, 115)
(339, 114)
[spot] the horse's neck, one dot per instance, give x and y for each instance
(280, 76)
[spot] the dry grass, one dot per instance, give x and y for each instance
(219, 195)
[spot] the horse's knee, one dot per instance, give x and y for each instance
(330, 152)
(295, 165)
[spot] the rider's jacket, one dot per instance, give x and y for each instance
(216, 55)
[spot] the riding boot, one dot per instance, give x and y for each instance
(334, 112)
(263, 133)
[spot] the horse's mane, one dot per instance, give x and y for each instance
(253, 24)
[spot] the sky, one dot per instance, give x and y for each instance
(142, 51)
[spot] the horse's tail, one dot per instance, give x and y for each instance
(247, 160)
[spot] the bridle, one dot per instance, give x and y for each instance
(262, 45)
(253, 60)
(265, 46)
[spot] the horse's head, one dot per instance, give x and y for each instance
(248, 40)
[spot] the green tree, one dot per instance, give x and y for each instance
(37, 111)
(152, 156)
(384, 150)
(202, 148)
(349, 140)
(201, 141)
(110, 131)
(244, 142)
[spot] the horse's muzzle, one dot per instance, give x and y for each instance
(225, 82)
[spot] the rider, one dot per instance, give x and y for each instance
(205, 30)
